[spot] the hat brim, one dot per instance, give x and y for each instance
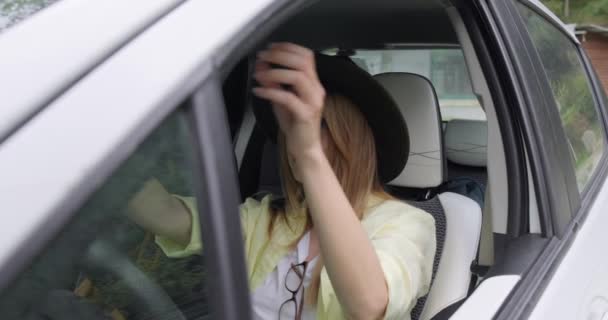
(341, 75)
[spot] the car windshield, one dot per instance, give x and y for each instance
(444, 67)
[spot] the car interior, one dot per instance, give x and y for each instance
(457, 167)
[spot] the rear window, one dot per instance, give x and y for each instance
(444, 67)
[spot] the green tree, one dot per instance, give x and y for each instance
(13, 11)
(580, 11)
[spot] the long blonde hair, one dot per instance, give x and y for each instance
(351, 151)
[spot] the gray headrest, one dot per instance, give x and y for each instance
(466, 142)
(419, 106)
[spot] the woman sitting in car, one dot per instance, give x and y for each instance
(335, 245)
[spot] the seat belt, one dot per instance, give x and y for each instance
(486, 242)
(485, 253)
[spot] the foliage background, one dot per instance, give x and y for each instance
(13, 11)
(581, 11)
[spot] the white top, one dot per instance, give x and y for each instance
(269, 296)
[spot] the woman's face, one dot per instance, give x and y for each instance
(324, 141)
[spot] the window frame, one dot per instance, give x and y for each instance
(536, 89)
(522, 90)
(549, 117)
(593, 88)
(509, 47)
(218, 195)
(591, 188)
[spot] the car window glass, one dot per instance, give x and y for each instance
(104, 265)
(445, 68)
(14, 11)
(572, 92)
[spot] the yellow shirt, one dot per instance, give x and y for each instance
(403, 237)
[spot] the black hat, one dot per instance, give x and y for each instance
(340, 75)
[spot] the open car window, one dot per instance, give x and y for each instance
(104, 265)
(571, 89)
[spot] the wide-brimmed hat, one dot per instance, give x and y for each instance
(340, 75)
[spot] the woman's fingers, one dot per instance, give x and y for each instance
(280, 97)
(300, 72)
(304, 87)
(290, 60)
(294, 90)
(261, 66)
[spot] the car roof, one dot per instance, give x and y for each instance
(41, 58)
(429, 19)
(369, 24)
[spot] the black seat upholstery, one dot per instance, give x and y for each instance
(270, 178)
(259, 171)
(432, 206)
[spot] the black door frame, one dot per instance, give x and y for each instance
(508, 120)
(540, 119)
(218, 202)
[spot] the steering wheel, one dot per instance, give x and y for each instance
(151, 299)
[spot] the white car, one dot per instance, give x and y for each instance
(507, 124)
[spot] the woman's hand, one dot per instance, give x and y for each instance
(296, 94)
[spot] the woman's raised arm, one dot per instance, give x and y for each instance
(155, 210)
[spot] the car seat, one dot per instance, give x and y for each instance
(424, 172)
(466, 142)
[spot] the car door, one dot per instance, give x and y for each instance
(564, 129)
(153, 109)
(576, 286)
(40, 57)
(98, 260)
